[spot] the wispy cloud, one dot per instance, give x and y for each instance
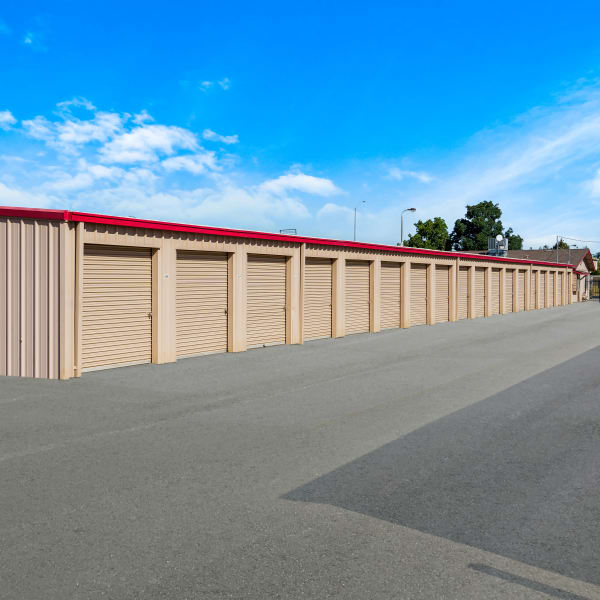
(400, 174)
(207, 84)
(7, 120)
(301, 182)
(212, 136)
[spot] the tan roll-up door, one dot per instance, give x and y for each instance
(463, 292)
(521, 298)
(442, 293)
(201, 303)
(265, 316)
(495, 299)
(542, 290)
(551, 289)
(418, 294)
(358, 306)
(317, 298)
(116, 306)
(533, 290)
(560, 289)
(508, 290)
(390, 295)
(479, 292)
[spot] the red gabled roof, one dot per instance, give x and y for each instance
(81, 217)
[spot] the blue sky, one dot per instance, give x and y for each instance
(267, 116)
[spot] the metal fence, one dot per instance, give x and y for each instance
(595, 287)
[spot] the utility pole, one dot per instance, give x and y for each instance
(402, 224)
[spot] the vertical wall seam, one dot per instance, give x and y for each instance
(22, 301)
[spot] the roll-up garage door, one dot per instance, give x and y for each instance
(442, 293)
(357, 296)
(116, 306)
(266, 301)
(463, 292)
(543, 290)
(521, 297)
(479, 292)
(418, 294)
(559, 299)
(551, 289)
(495, 299)
(317, 298)
(201, 303)
(533, 290)
(508, 290)
(390, 295)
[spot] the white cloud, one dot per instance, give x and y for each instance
(212, 136)
(206, 85)
(147, 144)
(225, 83)
(300, 182)
(193, 163)
(142, 117)
(80, 102)
(19, 197)
(6, 119)
(400, 174)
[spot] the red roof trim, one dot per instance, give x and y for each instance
(81, 217)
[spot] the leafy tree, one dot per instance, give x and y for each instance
(561, 244)
(481, 221)
(515, 242)
(432, 234)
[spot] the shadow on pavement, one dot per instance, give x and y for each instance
(516, 474)
(528, 583)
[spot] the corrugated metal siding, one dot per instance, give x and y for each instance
(390, 295)
(479, 292)
(116, 306)
(521, 298)
(418, 294)
(201, 301)
(495, 299)
(29, 298)
(463, 292)
(533, 290)
(542, 290)
(317, 298)
(357, 296)
(442, 293)
(551, 289)
(508, 291)
(266, 300)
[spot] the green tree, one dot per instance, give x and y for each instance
(561, 244)
(481, 221)
(432, 234)
(515, 242)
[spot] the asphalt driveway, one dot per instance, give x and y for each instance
(455, 461)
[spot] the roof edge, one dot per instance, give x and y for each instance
(82, 217)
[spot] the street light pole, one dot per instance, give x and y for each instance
(402, 223)
(355, 208)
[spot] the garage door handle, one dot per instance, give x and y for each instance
(149, 315)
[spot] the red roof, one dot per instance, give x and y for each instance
(81, 217)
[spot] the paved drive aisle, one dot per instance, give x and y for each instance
(455, 461)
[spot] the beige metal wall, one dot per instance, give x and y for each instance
(202, 293)
(31, 279)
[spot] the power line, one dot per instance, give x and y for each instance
(564, 237)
